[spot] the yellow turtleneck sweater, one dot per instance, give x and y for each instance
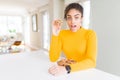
(80, 46)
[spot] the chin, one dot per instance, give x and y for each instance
(73, 30)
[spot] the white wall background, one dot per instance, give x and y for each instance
(105, 19)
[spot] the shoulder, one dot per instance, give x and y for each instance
(90, 33)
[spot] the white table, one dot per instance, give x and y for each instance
(34, 66)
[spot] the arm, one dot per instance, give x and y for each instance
(55, 48)
(55, 45)
(89, 60)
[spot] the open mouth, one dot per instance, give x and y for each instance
(73, 26)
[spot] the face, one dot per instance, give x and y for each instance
(74, 19)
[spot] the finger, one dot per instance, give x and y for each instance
(53, 67)
(55, 23)
(58, 23)
(53, 71)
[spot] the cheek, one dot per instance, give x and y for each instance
(79, 22)
(68, 23)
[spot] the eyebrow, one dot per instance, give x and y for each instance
(74, 15)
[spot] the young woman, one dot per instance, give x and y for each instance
(78, 44)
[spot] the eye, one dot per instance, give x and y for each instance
(76, 17)
(68, 18)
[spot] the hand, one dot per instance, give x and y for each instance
(57, 70)
(56, 27)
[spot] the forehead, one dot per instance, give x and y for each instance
(73, 12)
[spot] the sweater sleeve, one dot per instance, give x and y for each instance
(55, 48)
(89, 60)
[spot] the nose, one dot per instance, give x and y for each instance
(72, 20)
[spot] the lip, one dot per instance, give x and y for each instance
(73, 26)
